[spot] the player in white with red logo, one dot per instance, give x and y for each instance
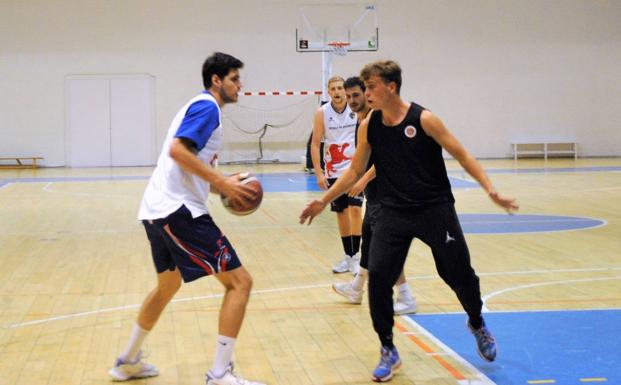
(336, 123)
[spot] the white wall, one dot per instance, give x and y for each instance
(491, 69)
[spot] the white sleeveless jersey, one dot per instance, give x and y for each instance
(340, 139)
(170, 187)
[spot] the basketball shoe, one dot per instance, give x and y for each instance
(389, 361)
(486, 343)
(346, 289)
(229, 378)
(123, 371)
(343, 265)
(403, 306)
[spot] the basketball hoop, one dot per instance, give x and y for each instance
(338, 48)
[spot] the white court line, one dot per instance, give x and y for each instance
(548, 283)
(293, 288)
(47, 188)
(481, 379)
(187, 299)
(528, 272)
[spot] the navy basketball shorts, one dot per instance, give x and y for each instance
(344, 201)
(194, 245)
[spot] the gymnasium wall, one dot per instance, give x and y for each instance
(492, 70)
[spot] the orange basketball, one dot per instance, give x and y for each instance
(246, 207)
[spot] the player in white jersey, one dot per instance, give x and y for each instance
(185, 242)
(336, 123)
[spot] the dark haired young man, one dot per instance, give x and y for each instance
(185, 242)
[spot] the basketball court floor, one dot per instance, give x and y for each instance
(76, 266)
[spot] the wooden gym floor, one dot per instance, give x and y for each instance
(75, 265)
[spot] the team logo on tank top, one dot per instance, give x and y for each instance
(410, 131)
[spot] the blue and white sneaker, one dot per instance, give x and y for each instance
(486, 343)
(123, 371)
(228, 378)
(389, 361)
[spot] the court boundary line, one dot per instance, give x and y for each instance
(295, 288)
(485, 298)
(482, 378)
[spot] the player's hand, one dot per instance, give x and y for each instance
(232, 188)
(312, 209)
(322, 181)
(357, 189)
(507, 203)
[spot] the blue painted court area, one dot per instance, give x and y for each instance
(505, 224)
(567, 347)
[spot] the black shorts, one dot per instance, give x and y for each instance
(195, 245)
(344, 201)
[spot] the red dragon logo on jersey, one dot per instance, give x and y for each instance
(337, 155)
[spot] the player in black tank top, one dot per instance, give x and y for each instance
(414, 192)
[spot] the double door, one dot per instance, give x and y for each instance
(110, 120)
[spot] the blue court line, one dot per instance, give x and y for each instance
(553, 170)
(300, 181)
(272, 182)
(564, 346)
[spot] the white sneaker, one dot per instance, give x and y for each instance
(404, 307)
(229, 378)
(342, 266)
(123, 371)
(346, 289)
(354, 264)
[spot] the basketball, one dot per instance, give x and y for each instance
(247, 206)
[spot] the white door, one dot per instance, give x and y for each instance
(88, 116)
(110, 120)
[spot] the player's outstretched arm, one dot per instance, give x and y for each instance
(362, 183)
(434, 127)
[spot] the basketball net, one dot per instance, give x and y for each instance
(338, 48)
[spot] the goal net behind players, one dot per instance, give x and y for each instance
(267, 128)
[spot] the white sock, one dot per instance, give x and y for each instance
(224, 355)
(360, 279)
(135, 342)
(405, 294)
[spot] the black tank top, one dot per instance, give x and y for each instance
(410, 169)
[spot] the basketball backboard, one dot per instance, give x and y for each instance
(321, 24)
